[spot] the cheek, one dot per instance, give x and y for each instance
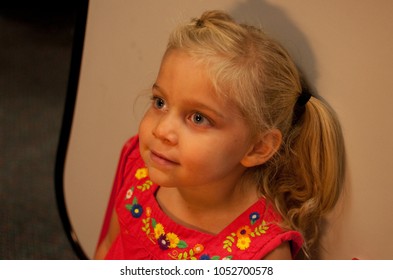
(214, 154)
(145, 125)
(234, 151)
(144, 133)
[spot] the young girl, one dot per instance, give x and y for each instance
(234, 158)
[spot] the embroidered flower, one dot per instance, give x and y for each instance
(204, 257)
(243, 236)
(129, 193)
(136, 210)
(243, 242)
(254, 216)
(158, 230)
(198, 248)
(173, 240)
(148, 211)
(163, 242)
(243, 232)
(141, 173)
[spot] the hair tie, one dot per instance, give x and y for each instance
(303, 98)
(300, 106)
(199, 23)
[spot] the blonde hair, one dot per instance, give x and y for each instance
(304, 178)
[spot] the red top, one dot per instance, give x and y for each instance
(146, 232)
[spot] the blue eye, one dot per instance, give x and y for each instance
(158, 102)
(199, 119)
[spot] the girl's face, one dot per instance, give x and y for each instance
(190, 137)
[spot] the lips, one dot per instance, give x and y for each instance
(161, 159)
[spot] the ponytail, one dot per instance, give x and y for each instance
(306, 177)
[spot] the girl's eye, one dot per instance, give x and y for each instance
(158, 102)
(201, 120)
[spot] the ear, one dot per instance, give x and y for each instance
(264, 147)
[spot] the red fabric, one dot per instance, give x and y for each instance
(131, 145)
(146, 232)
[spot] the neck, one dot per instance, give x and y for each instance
(209, 208)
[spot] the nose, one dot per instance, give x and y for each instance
(166, 129)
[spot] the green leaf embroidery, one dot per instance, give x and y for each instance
(153, 222)
(182, 244)
(128, 207)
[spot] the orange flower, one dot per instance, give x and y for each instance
(198, 248)
(243, 232)
(148, 211)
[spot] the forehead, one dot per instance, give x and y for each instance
(180, 73)
(182, 70)
(186, 77)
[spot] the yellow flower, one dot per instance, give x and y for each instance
(141, 173)
(243, 232)
(158, 230)
(243, 243)
(173, 239)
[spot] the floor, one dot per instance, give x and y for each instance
(35, 53)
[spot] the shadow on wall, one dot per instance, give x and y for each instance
(276, 22)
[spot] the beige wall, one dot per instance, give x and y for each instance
(345, 48)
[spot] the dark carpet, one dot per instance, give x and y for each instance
(35, 55)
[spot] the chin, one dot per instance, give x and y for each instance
(159, 177)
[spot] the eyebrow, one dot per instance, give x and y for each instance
(159, 89)
(192, 103)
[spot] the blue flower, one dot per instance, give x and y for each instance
(254, 216)
(204, 257)
(136, 210)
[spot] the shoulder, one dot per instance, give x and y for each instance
(278, 242)
(131, 145)
(130, 154)
(282, 252)
(130, 160)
